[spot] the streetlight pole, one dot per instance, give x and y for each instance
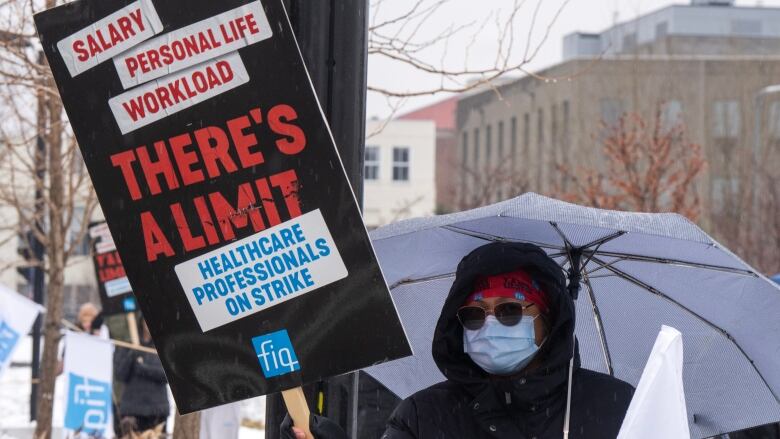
(333, 39)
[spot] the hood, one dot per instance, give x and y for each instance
(555, 353)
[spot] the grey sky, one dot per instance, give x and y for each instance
(578, 15)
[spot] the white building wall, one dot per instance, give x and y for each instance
(386, 200)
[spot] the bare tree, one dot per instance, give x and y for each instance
(490, 183)
(44, 182)
(403, 41)
(648, 166)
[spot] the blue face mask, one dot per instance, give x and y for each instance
(500, 349)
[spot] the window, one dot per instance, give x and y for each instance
(488, 144)
(661, 29)
(774, 120)
(476, 147)
(725, 193)
(372, 163)
(726, 122)
(566, 125)
(629, 42)
(81, 244)
(464, 151)
(400, 164)
(513, 140)
(540, 127)
(554, 125)
(748, 28)
(526, 135)
(611, 111)
(501, 141)
(671, 115)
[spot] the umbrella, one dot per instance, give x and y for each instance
(637, 272)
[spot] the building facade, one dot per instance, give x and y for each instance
(400, 160)
(708, 67)
(442, 113)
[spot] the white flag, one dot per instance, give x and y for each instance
(88, 369)
(17, 315)
(658, 407)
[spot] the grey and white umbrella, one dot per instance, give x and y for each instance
(638, 271)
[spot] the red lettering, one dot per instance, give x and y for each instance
(225, 71)
(132, 66)
(287, 181)
(252, 24)
(244, 142)
(164, 97)
(206, 221)
(190, 242)
(268, 202)
(295, 139)
(114, 34)
(154, 59)
(78, 47)
(152, 169)
(230, 217)
(214, 145)
(137, 17)
(135, 108)
(185, 159)
(154, 240)
(124, 160)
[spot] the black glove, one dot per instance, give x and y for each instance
(320, 426)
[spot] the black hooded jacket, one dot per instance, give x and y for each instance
(472, 404)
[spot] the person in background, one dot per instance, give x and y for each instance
(144, 401)
(85, 317)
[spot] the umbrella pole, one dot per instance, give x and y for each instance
(573, 287)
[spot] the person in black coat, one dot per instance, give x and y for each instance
(507, 376)
(144, 403)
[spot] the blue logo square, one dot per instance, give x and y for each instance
(129, 304)
(275, 353)
(8, 339)
(89, 405)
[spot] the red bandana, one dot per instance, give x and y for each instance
(515, 285)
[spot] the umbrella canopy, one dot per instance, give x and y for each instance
(639, 271)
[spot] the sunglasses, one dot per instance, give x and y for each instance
(507, 313)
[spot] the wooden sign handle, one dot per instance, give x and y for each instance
(132, 326)
(296, 404)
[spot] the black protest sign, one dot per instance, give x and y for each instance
(116, 294)
(224, 193)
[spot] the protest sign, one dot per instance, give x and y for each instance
(224, 192)
(116, 294)
(88, 369)
(658, 407)
(17, 315)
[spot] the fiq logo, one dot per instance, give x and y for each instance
(275, 353)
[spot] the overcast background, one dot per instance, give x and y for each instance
(477, 45)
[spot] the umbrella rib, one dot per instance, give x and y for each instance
(489, 237)
(667, 261)
(421, 280)
(657, 292)
(599, 326)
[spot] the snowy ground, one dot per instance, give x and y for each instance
(15, 401)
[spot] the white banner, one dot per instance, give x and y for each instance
(261, 271)
(168, 95)
(110, 36)
(17, 315)
(88, 371)
(658, 407)
(193, 44)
